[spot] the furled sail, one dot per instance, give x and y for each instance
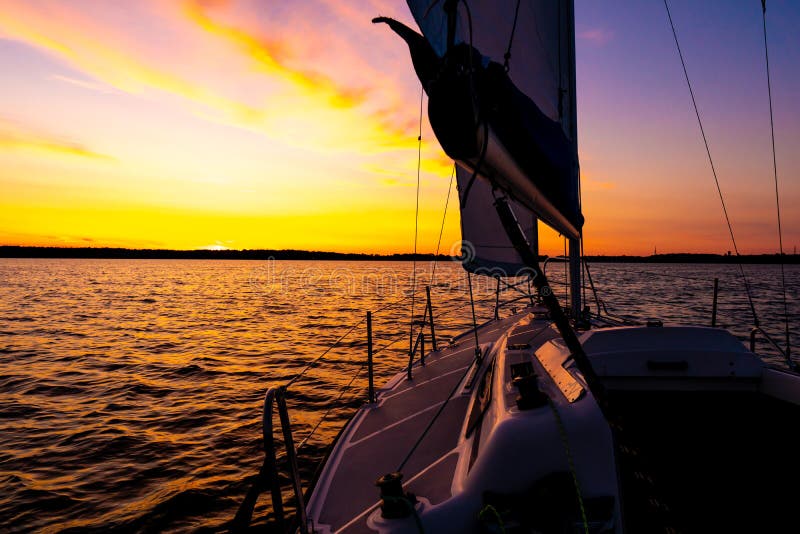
(500, 81)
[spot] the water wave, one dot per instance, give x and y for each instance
(132, 389)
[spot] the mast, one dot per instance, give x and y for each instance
(575, 271)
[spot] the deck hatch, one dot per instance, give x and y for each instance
(552, 357)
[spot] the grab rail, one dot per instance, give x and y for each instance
(268, 474)
(278, 396)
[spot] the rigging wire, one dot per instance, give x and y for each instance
(775, 174)
(314, 362)
(566, 275)
(350, 330)
(334, 404)
(441, 230)
(507, 55)
(583, 281)
(434, 418)
(561, 90)
(386, 346)
(474, 320)
(713, 169)
(416, 224)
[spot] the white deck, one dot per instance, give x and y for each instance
(449, 470)
(380, 436)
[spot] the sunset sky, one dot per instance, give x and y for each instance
(263, 124)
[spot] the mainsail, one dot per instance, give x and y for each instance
(500, 79)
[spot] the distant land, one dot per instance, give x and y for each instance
(203, 254)
(125, 253)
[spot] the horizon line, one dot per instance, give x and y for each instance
(53, 252)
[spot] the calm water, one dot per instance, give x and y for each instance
(131, 389)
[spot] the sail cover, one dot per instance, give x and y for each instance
(485, 247)
(514, 125)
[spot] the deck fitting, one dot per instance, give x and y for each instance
(395, 503)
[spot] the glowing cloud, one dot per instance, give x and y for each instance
(270, 55)
(14, 137)
(95, 49)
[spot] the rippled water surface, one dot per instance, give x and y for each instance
(131, 389)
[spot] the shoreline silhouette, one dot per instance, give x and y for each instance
(13, 251)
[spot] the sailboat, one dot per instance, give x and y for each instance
(546, 420)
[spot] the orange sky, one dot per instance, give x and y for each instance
(251, 124)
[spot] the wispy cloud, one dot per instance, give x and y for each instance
(54, 147)
(590, 183)
(273, 55)
(329, 95)
(596, 36)
(15, 136)
(96, 50)
(85, 84)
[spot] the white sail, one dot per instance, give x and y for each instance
(485, 247)
(526, 147)
(500, 77)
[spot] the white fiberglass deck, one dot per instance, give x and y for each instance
(380, 436)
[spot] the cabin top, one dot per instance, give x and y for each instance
(669, 350)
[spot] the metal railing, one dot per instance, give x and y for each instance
(419, 343)
(370, 374)
(755, 332)
(785, 354)
(603, 309)
(268, 476)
